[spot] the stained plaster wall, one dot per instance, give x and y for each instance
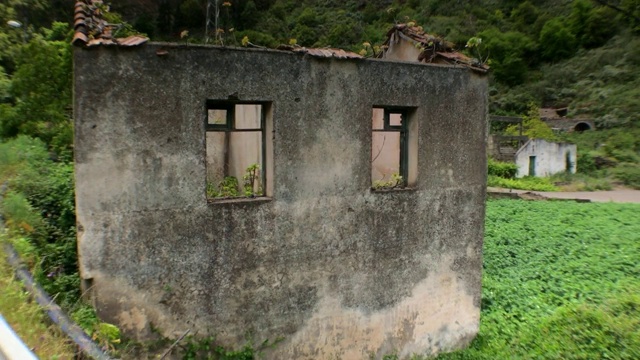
(336, 270)
(401, 49)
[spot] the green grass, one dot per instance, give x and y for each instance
(561, 281)
(28, 319)
(582, 182)
(525, 183)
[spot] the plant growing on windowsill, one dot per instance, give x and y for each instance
(229, 187)
(396, 182)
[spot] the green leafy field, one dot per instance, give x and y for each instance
(561, 281)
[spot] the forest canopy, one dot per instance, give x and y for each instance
(584, 54)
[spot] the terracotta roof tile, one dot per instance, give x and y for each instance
(132, 40)
(91, 29)
(435, 49)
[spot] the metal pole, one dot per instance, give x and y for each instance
(11, 346)
(206, 26)
(216, 20)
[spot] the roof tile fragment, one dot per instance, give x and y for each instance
(91, 29)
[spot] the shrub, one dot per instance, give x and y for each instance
(533, 127)
(586, 163)
(525, 183)
(629, 174)
(556, 41)
(20, 215)
(591, 184)
(40, 205)
(502, 169)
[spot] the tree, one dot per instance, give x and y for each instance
(524, 16)
(41, 87)
(556, 40)
(591, 26)
(510, 54)
(629, 8)
(533, 127)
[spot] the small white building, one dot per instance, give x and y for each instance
(541, 158)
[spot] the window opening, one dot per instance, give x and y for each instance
(389, 148)
(235, 150)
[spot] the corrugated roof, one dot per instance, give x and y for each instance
(321, 52)
(434, 48)
(91, 29)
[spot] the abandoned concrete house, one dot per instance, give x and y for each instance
(313, 196)
(538, 157)
(534, 157)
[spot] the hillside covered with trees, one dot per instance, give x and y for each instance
(584, 54)
(579, 54)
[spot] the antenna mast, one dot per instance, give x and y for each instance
(216, 9)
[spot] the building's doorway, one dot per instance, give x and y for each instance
(532, 166)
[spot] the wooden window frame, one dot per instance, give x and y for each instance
(404, 138)
(229, 126)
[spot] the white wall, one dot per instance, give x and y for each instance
(550, 157)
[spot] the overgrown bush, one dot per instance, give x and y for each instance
(533, 127)
(19, 215)
(502, 169)
(582, 182)
(629, 174)
(586, 163)
(40, 205)
(525, 183)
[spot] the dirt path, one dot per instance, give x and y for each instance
(618, 196)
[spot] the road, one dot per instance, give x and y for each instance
(618, 196)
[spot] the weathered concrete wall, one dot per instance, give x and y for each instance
(335, 269)
(550, 158)
(400, 49)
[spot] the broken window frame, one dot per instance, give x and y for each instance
(229, 126)
(404, 138)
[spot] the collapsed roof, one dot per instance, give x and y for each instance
(91, 28)
(433, 49)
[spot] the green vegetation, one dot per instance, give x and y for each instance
(207, 349)
(556, 286)
(503, 175)
(582, 54)
(230, 188)
(561, 281)
(501, 169)
(394, 182)
(581, 182)
(612, 154)
(525, 183)
(27, 318)
(533, 127)
(39, 210)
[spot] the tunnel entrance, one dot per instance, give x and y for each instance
(582, 126)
